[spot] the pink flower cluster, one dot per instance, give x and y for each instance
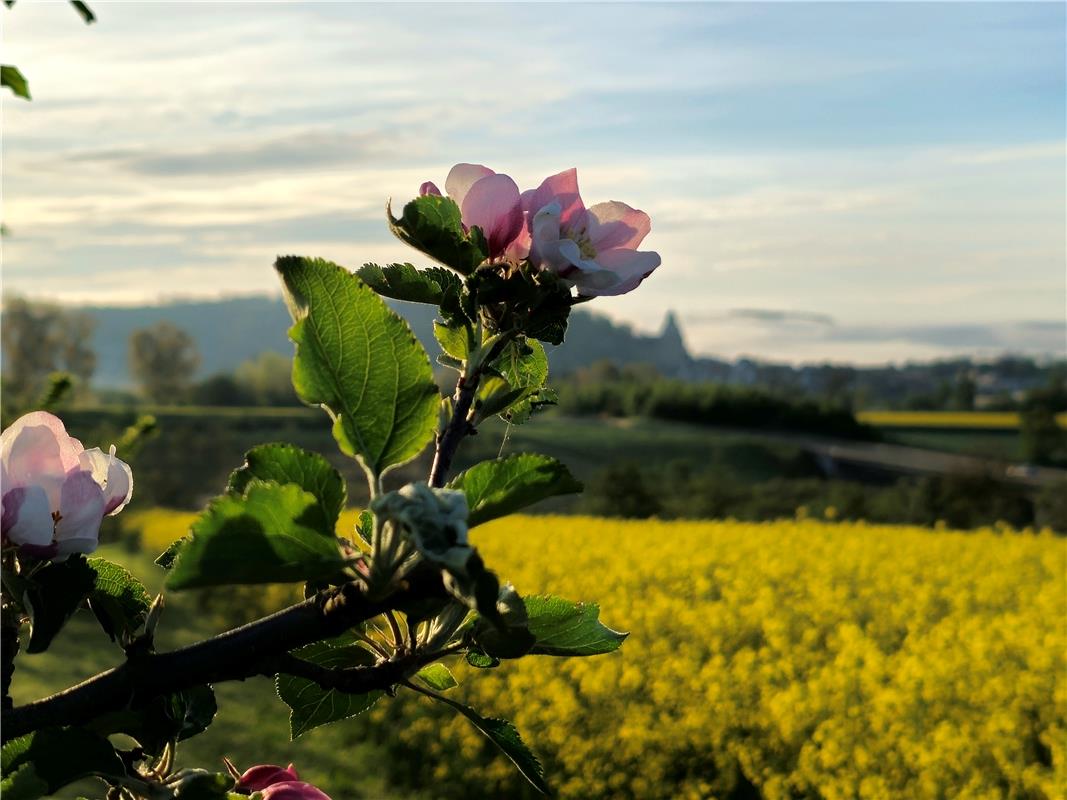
(275, 783)
(55, 492)
(593, 248)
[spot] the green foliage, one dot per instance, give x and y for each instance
(437, 677)
(15, 81)
(163, 359)
(505, 485)
(119, 601)
(563, 628)
(57, 757)
(431, 224)
(52, 596)
(312, 705)
(523, 366)
(286, 463)
(405, 282)
(162, 719)
(453, 340)
(506, 737)
(272, 534)
(359, 360)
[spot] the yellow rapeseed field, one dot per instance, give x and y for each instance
(799, 659)
(946, 419)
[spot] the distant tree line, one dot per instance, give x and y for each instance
(640, 391)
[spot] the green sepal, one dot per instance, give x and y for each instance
(119, 601)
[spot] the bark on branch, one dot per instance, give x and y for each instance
(244, 652)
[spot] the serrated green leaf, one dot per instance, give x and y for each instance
(273, 534)
(60, 756)
(118, 599)
(312, 705)
(405, 282)
(15, 81)
(54, 593)
(505, 485)
(167, 558)
(453, 340)
(360, 361)
(438, 677)
(23, 784)
(506, 737)
(432, 224)
(563, 628)
(287, 463)
(523, 366)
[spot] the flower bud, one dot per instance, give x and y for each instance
(260, 777)
(293, 790)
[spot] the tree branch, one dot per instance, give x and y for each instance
(458, 427)
(237, 654)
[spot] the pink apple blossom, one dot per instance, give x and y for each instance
(55, 492)
(594, 248)
(486, 199)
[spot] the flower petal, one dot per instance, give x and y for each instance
(632, 267)
(112, 475)
(429, 187)
(260, 777)
(563, 189)
(81, 507)
(492, 204)
(293, 790)
(615, 225)
(36, 450)
(460, 179)
(27, 517)
(544, 240)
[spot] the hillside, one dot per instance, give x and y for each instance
(233, 330)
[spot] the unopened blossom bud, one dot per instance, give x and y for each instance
(429, 187)
(293, 790)
(257, 778)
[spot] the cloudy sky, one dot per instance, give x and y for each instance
(867, 182)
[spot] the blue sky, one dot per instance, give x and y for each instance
(866, 182)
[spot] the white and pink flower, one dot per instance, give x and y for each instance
(55, 492)
(486, 199)
(594, 248)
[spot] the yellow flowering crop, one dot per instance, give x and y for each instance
(802, 659)
(946, 419)
(807, 658)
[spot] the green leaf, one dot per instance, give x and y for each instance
(55, 592)
(167, 558)
(176, 716)
(453, 340)
(287, 463)
(200, 784)
(59, 756)
(312, 705)
(273, 534)
(504, 485)
(431, 223)
(118, 599)
(563, 628)
(359, 360)
(524, 367)
(506, 737)
(480, 660)
(437, 677)
(15, 81)
(23, 784)
(405, 282)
